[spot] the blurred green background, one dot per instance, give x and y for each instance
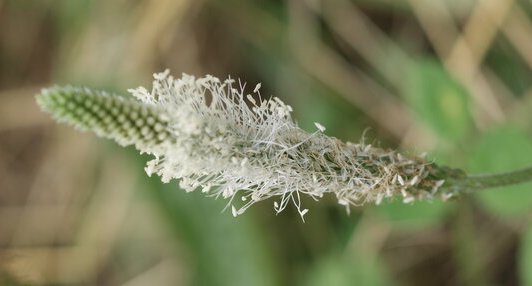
(452, 78)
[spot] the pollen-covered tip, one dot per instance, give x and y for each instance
(234, 211)
(257, 88)
(319, 126)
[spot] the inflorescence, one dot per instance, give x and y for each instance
(213, 137)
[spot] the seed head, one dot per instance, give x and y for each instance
(214, 138)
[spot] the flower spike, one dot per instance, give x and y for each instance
(212, 137)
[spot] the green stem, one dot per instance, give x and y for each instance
(485, 181)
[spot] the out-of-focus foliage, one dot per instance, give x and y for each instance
(500, 150)
(453, 78)
(438, 100)
(525, 257)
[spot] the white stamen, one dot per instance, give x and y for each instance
(319, 126)
(257, 87)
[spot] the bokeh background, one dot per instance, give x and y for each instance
(452, 78)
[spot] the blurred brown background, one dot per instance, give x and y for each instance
(453, 78)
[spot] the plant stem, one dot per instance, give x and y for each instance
(485, 181)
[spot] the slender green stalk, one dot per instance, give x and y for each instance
(473, 183)
(501, 179)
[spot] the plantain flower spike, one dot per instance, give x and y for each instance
(214, 138)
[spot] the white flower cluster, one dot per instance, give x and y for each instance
(213, 137)
(243, 148)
